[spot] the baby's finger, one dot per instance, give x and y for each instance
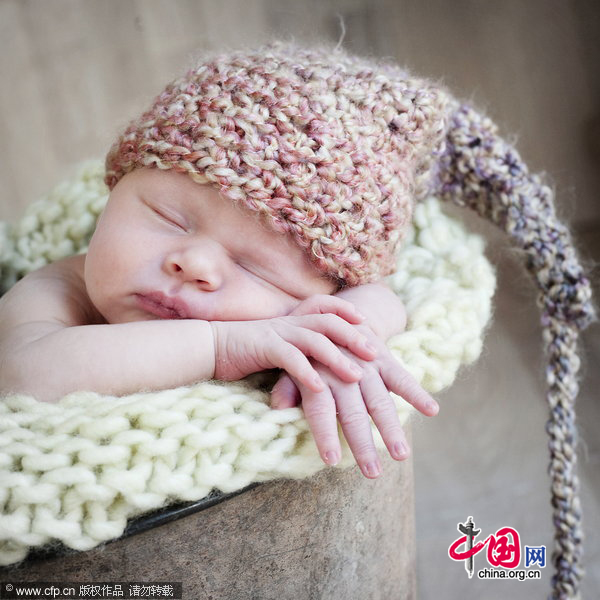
(319, 410)
(322, 303)
(340, 332)
(382, 409)
(280, 353)
(284, 394)
(323, 350)
(401, 382)
(356, 425)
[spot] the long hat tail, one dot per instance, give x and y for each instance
(480, 170)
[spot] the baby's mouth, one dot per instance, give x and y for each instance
(163, 306)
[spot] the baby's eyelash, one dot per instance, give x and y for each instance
(169, 220)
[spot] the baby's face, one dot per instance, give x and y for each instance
(168, 248)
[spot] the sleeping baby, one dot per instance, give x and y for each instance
(254, 212)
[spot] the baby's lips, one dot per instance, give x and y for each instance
(163, 305)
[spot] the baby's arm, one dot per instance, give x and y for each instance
(384, 311)
(45, 353)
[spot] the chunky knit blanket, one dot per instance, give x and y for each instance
(76, 471)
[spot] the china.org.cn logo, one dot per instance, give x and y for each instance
(503, 553)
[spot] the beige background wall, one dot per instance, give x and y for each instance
(72, 73)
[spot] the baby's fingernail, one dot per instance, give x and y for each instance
(361, 316)
(332, 458)
(433, 407)
(372, 469)
(355, 368)
(400, 450)
(369, 347)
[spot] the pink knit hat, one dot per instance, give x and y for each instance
(328, 148)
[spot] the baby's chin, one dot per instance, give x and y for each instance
(111, 316)
(120, 319)
(97, 316)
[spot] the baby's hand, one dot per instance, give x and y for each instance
(353, 402)
(244, 347)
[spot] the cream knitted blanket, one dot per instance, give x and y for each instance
(76, 471)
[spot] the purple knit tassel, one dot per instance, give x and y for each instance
(480, 170)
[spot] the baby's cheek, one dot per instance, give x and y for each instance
(292, 305)
(263, 303)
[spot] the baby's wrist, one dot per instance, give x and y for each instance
(384, 311)
(218, 351)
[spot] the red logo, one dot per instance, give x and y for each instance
(503, 547)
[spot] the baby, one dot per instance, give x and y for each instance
(254, 211)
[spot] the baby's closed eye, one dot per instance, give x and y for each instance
(173, 221)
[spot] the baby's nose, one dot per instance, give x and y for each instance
(196, 265)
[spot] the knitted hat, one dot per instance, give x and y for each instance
(333, 150)
(328, 149)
